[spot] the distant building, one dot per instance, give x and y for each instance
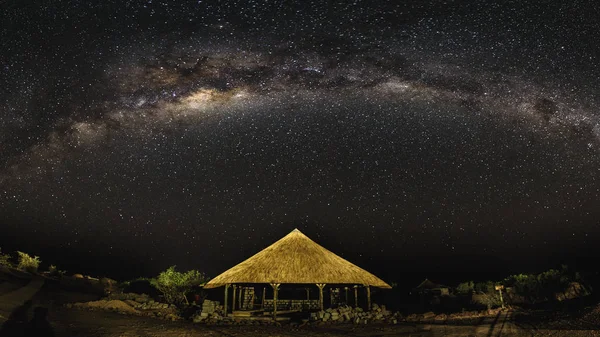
(428, 287)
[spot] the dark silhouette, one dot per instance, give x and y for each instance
(16, 325)
(39, 325)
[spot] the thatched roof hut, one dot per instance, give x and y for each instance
(296, 259)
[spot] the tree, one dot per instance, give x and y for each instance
(175, 285)
(28, 263)
(5, 260)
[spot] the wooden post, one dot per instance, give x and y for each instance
(264, 294)
(225, 302)
(307, 302)
(275, 291)
(368, 297)
(240, 298)
(233, 298)
(321, 286)
(356, 296)
(346, 290)
(253, 294)
(499, 288)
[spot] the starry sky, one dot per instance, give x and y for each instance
(405, 136)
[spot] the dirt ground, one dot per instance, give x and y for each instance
(77, 322)
(81, 322)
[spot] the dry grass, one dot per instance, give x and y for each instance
(296, 259)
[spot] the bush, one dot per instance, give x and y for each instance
(489, 300)
(5, 260)
(175, 285)
(28, 263)
(141, 285)
(485, 287)
(465, 288)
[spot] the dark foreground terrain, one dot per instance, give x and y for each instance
(75, 322)
(581, 321)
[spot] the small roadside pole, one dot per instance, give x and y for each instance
(499, 287)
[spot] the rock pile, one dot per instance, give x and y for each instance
(356, 315)
(133, 304)
(211, 311)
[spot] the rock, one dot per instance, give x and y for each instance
(131, 303)
(428, 315)
(172, 317)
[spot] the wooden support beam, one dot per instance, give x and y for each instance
(356, 296)
(240, 297)
(233, 298)
(264, 294)
(346, 290)
(308, 294)
(321, 286)
(368, 297)
(225, 302)
(275, 291)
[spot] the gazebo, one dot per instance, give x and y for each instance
(295, 259)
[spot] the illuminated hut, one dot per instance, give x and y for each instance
(296, 260)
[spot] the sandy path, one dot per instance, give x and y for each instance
(10, 301)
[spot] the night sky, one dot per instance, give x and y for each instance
(405, 136)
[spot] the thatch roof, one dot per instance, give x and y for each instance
(296, 259)
(429, 285)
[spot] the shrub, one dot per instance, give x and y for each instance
(484, 287)
(175, 285)
(5, 260)
(490, 300)
(465, 288)
(28, 263)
